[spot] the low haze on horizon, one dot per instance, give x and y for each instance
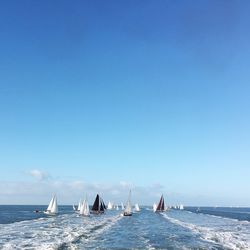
(107, 96)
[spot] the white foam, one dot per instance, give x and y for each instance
(230, 239)
(51, 233)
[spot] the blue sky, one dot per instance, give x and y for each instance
(107, 95)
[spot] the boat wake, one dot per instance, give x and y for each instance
(64, 231)
(229, 237)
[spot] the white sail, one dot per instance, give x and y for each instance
(51, 203)
(117, 207)
(137, 208)
(128, 208)
(54, 209)
(110, 206)
(154, 207)
(84, 208)
(122, 206)
(79, 205)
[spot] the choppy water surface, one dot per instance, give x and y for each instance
(20, 228)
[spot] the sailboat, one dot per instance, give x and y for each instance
(128, 209)
(74, 208)
(79, 205)
(110, 206)
(181, 207)
(122, 206)
(84, 208)
(117, 207)
(98, 206)
(154, 207)
(161, 206)
(52, 208)
(137, 208)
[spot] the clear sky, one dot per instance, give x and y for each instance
(110, 95)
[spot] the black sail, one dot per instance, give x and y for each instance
(102, 205)
(95, 206)
(161, 205)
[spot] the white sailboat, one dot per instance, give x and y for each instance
(122, 206)
(79, 205)
(110, 206)
(117, 207)
(84, 208)
(137, 208)
(52, 209)
(154, 207)
(128, 208)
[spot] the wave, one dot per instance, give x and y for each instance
(55, 232)
(226, 238)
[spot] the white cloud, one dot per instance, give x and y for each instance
(37, 174)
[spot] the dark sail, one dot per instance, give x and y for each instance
(102, 205)
(161, 205)
(95, 206)
(98, 206)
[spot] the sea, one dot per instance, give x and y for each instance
(191, 228)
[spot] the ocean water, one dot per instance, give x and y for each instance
(192, 228)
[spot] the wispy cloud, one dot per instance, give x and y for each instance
(38, 174)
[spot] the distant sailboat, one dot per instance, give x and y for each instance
(74, 208)
(52, 209)
(128, 208)
(122, 206)
(161, 206)
(84, 208)
(98, 206)
(110, 206)
(137, 208)
(79, 205)
(154, 207)
(117, 207)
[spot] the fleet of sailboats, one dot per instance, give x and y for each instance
(99, 206)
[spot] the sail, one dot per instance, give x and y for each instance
(102, 205)
(161, 205)
(79, 205)
(54, 208)
(82, 208)
(110, 206)
(98, 206)
(50, 204)
(122, 206)
(128, 210)
(137, 208)
(154, 207)
(95, 206)
(86, 208)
